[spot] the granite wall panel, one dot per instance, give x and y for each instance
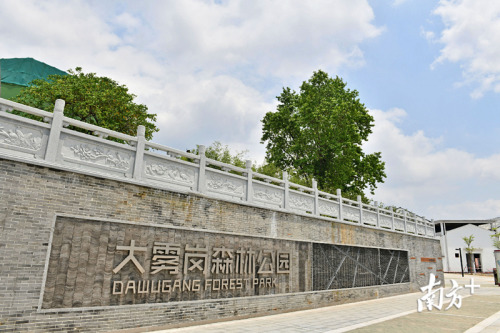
(102, 215)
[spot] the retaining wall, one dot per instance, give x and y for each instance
(66, 261)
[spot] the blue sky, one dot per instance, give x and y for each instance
(398, 72)
(428, 71)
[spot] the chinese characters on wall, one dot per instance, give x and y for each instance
(176, 267)
(105, 263)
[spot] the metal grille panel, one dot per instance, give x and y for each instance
(340, 266)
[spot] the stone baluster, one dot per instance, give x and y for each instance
(406, 220)
(287, 190)
(392, 218)
(139, 152)
(360, 205)
(55, 131)
(202, 174)
(316, 197)
(249, 181)
(339, 195)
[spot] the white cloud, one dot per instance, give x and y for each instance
(427, 34)
(209, 69)
(205, 109)
(467, 210)
(471, 38)
(430, 180)
(269, 38)
(70, 34)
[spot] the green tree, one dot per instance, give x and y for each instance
(270, 169)
(219, 152)
(318, 132)
(470, 251)
(223, 153)
(496, 238)
(96, 100)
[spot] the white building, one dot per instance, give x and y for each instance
(451, 234)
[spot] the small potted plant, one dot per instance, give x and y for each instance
(470, 250)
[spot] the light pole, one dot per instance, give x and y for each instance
(461, 265)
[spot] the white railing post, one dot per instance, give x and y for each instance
(55, 131)
(360, 205)
(392, 215)
(139, 152)
(287, 190)
(434, 229)
(339, 195)
(404, 212)
(316, 197)
(378, 214)
(203, 164)
(249, 181)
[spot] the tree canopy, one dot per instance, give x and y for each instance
(96, 100)
(318, 133)
(496, 238)
(222, 153)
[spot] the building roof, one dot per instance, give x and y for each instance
(21, 71)
(453, 224)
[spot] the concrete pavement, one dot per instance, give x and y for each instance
(478, 313)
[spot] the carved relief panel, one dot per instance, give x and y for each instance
(350, 213)
(170, 171)
(369, 218)
(225, 184)
(23, 137)
(98, 155)
(385, 221)
(268, 195)
(301, 202)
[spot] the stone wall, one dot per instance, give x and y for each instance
(53, 290)
(57, 144)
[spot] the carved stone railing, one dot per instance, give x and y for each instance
(52, 143)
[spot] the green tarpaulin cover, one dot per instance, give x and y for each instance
(16, 73)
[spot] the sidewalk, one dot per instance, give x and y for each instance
(479, 313)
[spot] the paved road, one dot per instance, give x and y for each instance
(478, 313)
